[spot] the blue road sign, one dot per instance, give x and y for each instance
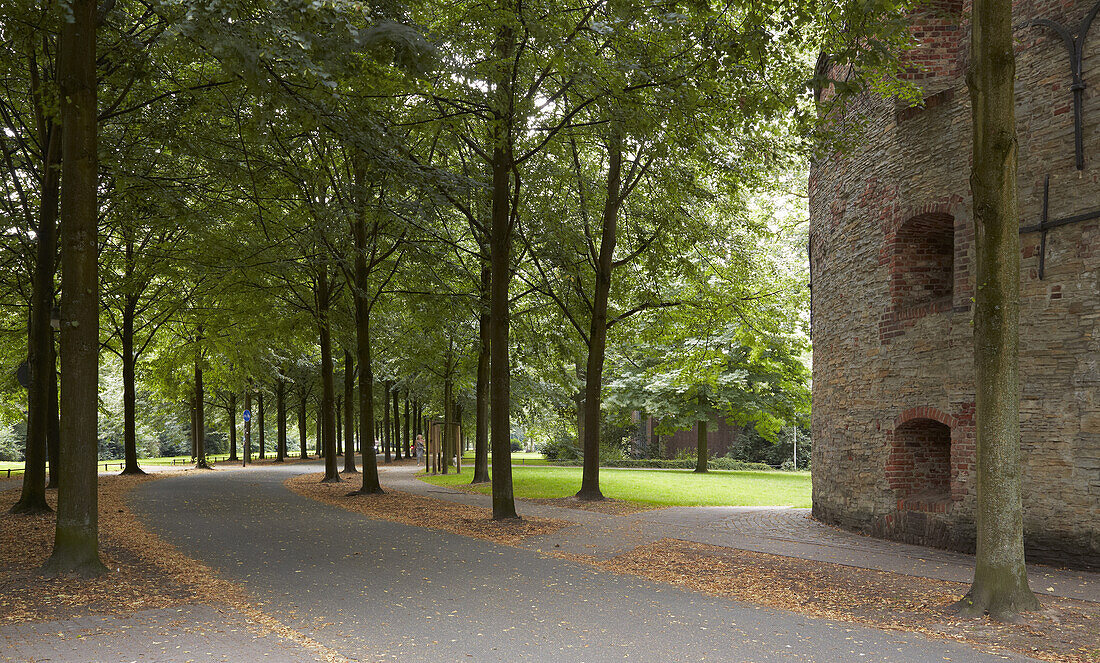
(247, 416)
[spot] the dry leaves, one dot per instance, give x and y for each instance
(420, 511)
(145, 571)
(1066, 630)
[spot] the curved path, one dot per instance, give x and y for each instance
(375, 590)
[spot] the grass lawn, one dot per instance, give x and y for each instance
(658, 487)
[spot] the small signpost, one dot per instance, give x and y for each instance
(247, 416)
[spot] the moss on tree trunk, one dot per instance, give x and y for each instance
(1000, 577)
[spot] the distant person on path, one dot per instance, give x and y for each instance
(419, 448)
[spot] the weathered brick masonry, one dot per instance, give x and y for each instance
(892, 242)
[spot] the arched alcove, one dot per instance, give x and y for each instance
(923, 261)
(919, 466)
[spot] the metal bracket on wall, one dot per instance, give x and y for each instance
(1075, 44)
(1045, 224)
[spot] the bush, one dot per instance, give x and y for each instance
(560, 448)
(516, 446)
(676, 464)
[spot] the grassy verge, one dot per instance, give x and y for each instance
(658, 487)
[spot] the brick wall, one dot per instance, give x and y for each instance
(893, 337)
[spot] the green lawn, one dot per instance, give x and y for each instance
(659, 487)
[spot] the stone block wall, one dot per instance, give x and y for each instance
(892, 247)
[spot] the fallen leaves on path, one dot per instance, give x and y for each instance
(408, 509)
(1065, 630)
(144, 571)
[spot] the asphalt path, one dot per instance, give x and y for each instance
(375, 590)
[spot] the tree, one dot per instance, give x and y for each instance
(76, 540)
(1000, 575)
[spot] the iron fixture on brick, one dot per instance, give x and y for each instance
(1075, 44)
(1045, 224)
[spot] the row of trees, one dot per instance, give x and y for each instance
(509, 198)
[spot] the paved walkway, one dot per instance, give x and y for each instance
(183, 634)
(776, 530)
(376, 590)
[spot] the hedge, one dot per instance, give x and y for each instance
(675, 464)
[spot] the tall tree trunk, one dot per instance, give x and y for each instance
(362, 338)
(349, 413)
(481, 406)
(233, 427)
(248, 425)
(76, 541)
(448, 432)
(386, 430)
(280, 414)
(701, 452)
(593, 383)
(500, 258)
(1000, 576)
(397, 425)
(129, 385)
(408, 424)
(328, 389)
(40, 354)
(319, 421)
(339, 410)
(194, 437)
(458, 436)
(260, 423)
(53, 424)
(303, 423)
(200, 406)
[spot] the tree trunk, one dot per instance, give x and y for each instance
(129, 385)
(458, 436)
(200, 406)
(370, 486)
(260, 423)
(593, 376)
(328, 389)
(76, 541)
(280, 414)
(319, 421)
(339, 410)
(398, 455)
(248, 426)
(448, 433)
(481, 406)
(1000, 577)
(233, 427)
(386, 422)
(407, 429)
(40, 354)
(500, 258)
(349, 413)
(194, 437)
(302, 424)
(53, 424)
(701, 453)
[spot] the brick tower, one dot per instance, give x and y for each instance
(891, 251)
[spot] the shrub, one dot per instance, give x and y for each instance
(675, 464)
(560, 448)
